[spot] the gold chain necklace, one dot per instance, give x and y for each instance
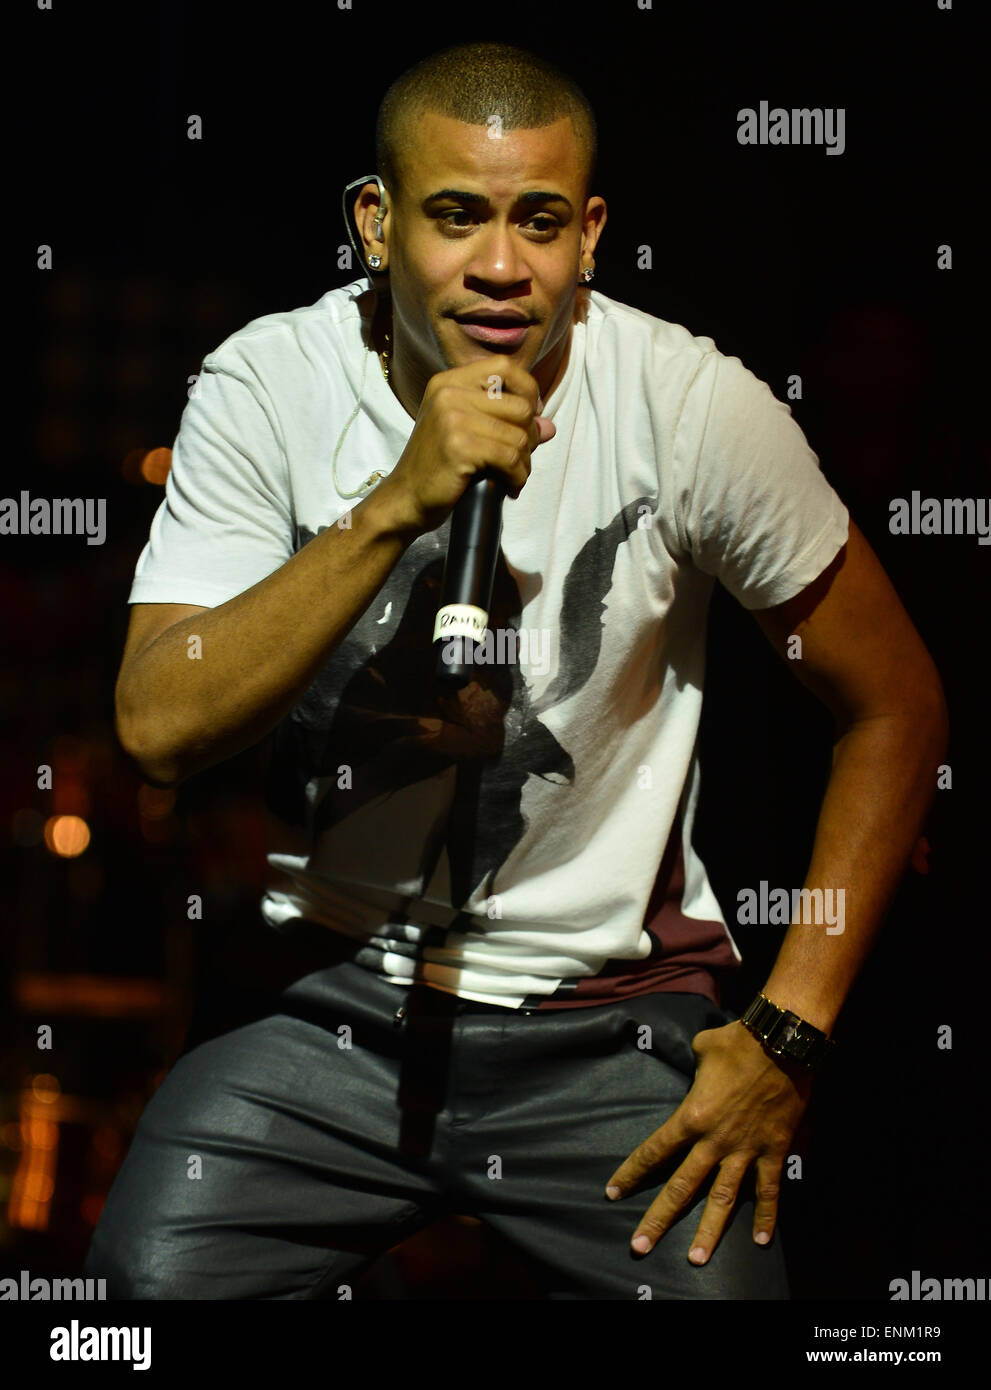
(376, 477)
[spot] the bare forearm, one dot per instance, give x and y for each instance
(880, 789)
(256, 654)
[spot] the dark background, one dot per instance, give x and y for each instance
(792, 259)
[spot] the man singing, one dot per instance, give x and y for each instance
(513, 1000)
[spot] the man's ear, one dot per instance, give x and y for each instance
(593, 222)
(372, 223)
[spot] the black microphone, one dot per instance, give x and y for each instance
(469, 573)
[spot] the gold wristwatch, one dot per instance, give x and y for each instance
(785, 1034)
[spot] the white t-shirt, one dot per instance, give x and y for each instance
(528, 844)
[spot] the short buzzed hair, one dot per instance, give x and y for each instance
(472, 82)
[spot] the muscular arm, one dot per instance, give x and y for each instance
(259, 651)
(863, 658)
(263, 649)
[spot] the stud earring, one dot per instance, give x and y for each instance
(374, 261)
(587, 274)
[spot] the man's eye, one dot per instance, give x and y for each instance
(541, 223)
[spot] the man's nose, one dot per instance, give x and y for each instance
(498, 255)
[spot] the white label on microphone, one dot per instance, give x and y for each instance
(461, 620)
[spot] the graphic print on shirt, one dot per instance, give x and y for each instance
(376, 708)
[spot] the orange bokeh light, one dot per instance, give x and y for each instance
(66, 836)
(155, 466)
(45, 1087)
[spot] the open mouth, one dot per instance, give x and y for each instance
(499, 331)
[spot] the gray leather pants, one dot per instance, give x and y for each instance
(280, 1158)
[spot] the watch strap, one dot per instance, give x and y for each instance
(784, 1034)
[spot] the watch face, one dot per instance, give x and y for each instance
(789, 1028)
